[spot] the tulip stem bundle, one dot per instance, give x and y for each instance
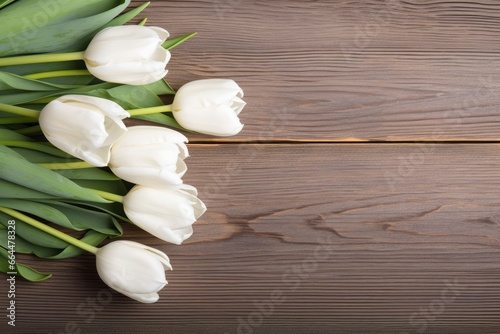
(50, 230)
(41, 58)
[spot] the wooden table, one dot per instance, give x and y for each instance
(363, 195)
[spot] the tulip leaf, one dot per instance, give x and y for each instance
(93, 173)
(113, 186)
(5, 3)
(66, 23)
(9, 135)
(16, 169)
(45, 67)
(91, 237)
(23, 98)
(129, 97)
(20, 98)
(126, 17)
(17, 82)
(114, 209)
(76, 218)
(67, 215)
(160, 87)
(24, 247)
(40, 157)
(173, 42)
(32, 234)
(42, 211)
(13, 190)
(162, 119)
(22, 270)
(117, 21)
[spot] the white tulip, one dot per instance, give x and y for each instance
(166, 212)
(129, 54)
(133, 269)
(150, 155)
(83, 126)
(209, 106)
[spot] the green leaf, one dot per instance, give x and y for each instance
(40, 157)
(114, 209)
(94, 173)
(9, 135)
(124, 18)
(45, 212)
(24, 247)
(160, 87)
(113, 186)
(45, 67)
(32, 234)
(17, 82)
(117, 21)
(67, 215)
(30, 97)
(4, 3)
(12, 190)
(22, 270)
(16, 169)
(129, 97)
(120, 20)
(173, 42)
(80, 219)
(92, 238)
(66, 23)
(162, 119)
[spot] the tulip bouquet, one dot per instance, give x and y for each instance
(68, 159)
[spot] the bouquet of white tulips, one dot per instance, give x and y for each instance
(71, 72)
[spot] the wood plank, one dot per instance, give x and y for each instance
(345, 70)
(320, 226)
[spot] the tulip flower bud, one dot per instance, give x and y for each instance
(133, 269)
(83, 126)
(129, 54)
(166, 213)
(150, 155)
(209, 106)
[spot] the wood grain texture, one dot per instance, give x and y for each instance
(320, 225)
(381, 70)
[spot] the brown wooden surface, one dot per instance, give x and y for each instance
(397, 235)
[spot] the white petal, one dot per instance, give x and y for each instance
(176, 236)
(147, 176)
(219, 121)
(159, 211)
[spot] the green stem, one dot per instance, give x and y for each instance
(54, 74)
(35, 146)
(109, 196)
(19, 110)
(16, 120)
(151, 110)
(66, 165)
(50, 230)
(41, 58)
